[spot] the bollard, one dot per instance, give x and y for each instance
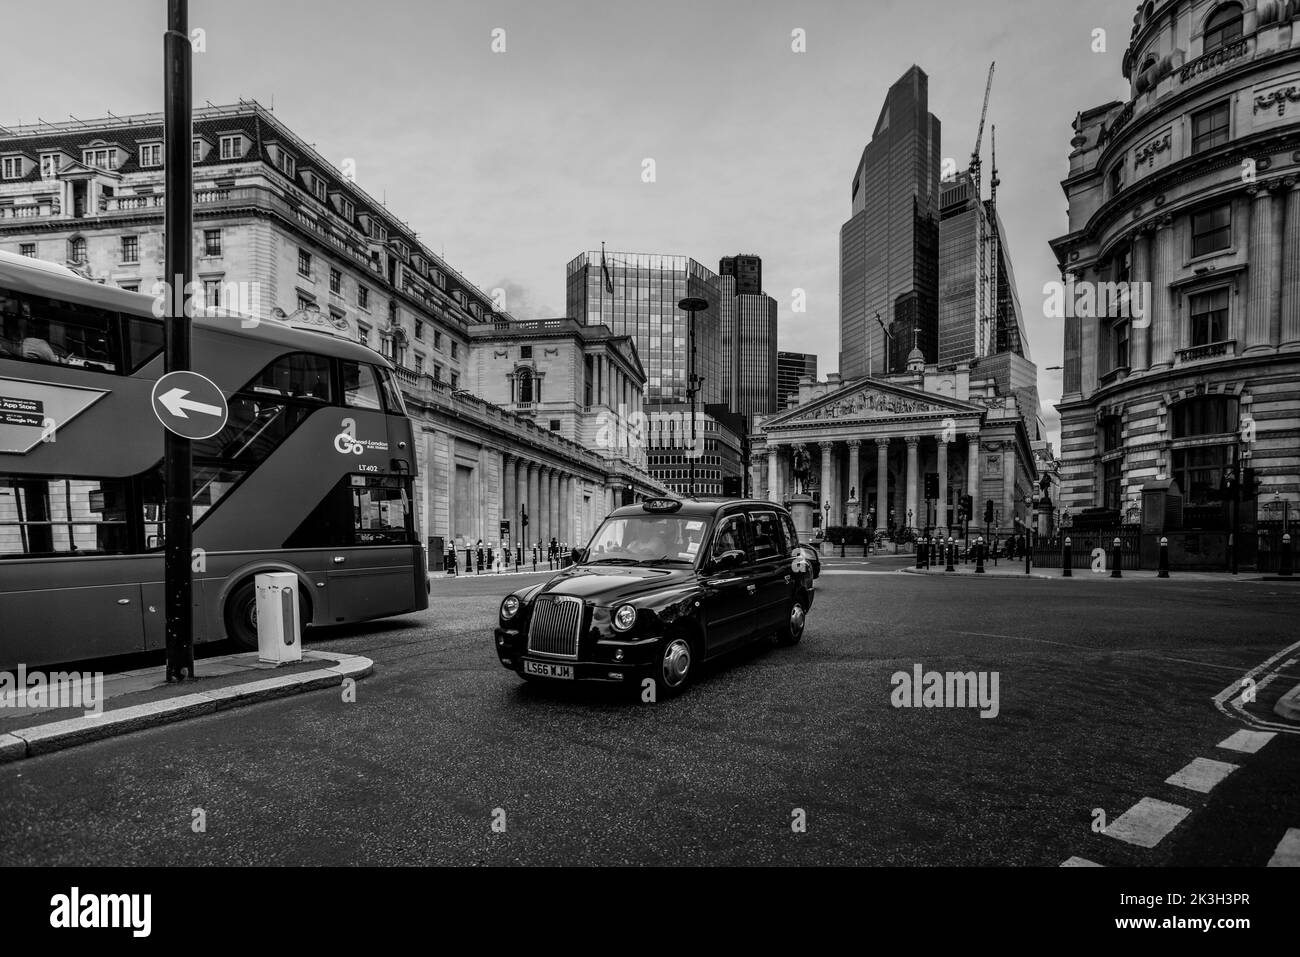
(979, 555)
(920, 553)
(1067, 561)
(1285, 569)
(278, 623)
(951, 548)
(1116, 555)
(1164, 558)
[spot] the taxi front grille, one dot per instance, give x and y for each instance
(555, 626)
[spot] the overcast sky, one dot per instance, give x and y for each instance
(509, 164)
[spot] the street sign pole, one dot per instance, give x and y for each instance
(178, 269)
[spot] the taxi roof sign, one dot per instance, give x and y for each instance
(661, 505)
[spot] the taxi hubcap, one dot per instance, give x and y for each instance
(677, 662)
(796, 619)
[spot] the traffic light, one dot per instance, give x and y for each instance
(988, 512)
(931, 485)
(523, 517)
(968, 506)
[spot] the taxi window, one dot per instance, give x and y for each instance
(648, 539)
(729, 537)
(766, 531)
(791, 536)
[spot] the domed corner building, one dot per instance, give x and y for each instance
(1181, 289)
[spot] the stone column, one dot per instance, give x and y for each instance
(1008, 483)
(826, 451)
(941, 518)
(973, 470)
(553, 506)
(1261, 280)
(1289, 336)
(534, 503)
(755, 476)
(856, 492)
(1160, 309)
(1140, 329)
(882, 484)
(772, 491)
(521, 495)
(1277, 239)
(913, 503)
(508, 507)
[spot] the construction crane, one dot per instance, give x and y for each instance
(979, 137)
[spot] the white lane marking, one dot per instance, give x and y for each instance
(1147, 822)
(1228, 700)
(1201, 775)
(1288, 851)
(1079, 862)
(1247, 742)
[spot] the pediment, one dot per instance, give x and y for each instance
(872, 401)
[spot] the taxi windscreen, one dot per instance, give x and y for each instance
(647, 539)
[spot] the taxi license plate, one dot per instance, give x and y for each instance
(548, 670)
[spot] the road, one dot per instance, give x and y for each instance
(1105, 689)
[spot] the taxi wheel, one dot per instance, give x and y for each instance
(675, 667)
(793, 628)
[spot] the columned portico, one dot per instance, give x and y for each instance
(826, 491)
(941, 519)
(773, 490)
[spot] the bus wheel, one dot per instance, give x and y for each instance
(241, 614)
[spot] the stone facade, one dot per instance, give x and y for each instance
(1189, 192)
(278, 228)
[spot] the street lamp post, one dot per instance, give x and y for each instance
(1029, 524)
(692, 305)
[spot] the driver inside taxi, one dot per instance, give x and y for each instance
(649, 540)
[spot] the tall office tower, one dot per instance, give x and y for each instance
(752, 379)
(790, 368)
(889, 248)
(979, 309)
(747, 270)
(636, 294)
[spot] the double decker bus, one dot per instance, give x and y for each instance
(312, 474)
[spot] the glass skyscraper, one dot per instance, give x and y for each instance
(636, 294)
(790, 368)
(889, 248)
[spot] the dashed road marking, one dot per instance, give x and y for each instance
(1147, 823)
(1079, 862)
(1288, 851)
(1201, 775)
(1247, 742)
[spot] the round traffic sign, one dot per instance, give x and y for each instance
(189, 405)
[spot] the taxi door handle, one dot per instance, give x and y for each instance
(339, 559)
(751, 588)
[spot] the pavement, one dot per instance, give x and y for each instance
(53, 709)
(1129, 704)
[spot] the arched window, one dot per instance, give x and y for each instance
(1223, 27)
(77, 249)
(525, 390)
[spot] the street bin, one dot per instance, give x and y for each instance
(279, 630)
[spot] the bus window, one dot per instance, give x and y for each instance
(392, 394)
(299, 375)
(381, 511)
(360, 390)
(144, 340)
(36, 329)
(46, 517)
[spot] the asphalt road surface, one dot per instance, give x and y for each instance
(1105, 689)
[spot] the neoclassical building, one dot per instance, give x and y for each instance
(872, 441)
(1188, 192)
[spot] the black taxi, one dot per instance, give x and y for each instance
(662, 587)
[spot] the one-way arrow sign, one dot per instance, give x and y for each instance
(189, 405)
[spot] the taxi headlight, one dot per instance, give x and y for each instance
(624, 617)
(509, 608)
